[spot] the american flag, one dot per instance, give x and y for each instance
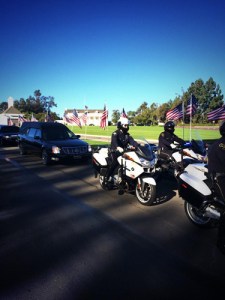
(66, 118)
(104, 118)
(33, 119)
(10, 122)
(21, 119)
(217, 114)
(75, 119)
(191, 106)
(123, 114)
(48, 117)
(84, 117)
(176, 113)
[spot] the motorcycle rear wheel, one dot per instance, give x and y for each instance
(146, 196)
(105, 186)
(196, 216)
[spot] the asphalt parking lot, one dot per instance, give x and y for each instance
(64, 238)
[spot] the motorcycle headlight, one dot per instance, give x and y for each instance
(145, 163)
(89, 148)
(56, 150)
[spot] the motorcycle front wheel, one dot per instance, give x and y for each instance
(147, 195)
(196, 216)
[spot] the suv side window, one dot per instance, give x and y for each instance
(25, 131)
(38, 133)
(31, 132)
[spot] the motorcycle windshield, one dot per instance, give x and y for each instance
(146, 150)
(198, 145)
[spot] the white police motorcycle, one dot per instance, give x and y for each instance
(135, 171)
(203, 202)
(192, 152)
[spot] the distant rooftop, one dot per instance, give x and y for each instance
(11, 110)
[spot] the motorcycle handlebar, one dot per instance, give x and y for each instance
(180, 147)
(130, 147)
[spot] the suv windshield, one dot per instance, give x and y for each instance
(57, 134)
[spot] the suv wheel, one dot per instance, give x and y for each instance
(45, 158)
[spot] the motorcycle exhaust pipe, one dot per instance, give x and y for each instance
(212, 213)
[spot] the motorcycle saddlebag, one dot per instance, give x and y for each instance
(190, 194)
(99, 161)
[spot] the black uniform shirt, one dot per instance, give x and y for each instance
(167, 138)
(216, 156)
(120, 139)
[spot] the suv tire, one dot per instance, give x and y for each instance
(46, 160)
(22, 150)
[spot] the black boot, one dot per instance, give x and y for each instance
(107, 183)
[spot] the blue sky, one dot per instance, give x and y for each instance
(118, 53)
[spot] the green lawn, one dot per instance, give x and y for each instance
(95, 144)
(149, 132)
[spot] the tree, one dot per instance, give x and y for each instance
(115, 116)
(209, 97)
(153, 111)
(162, 110)
(141, 114)
(38, 105)
(20, 105)
(141, 108)
(131, 115)
(3, 106)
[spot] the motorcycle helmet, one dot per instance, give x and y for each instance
(222, 128)
(169, 126)
(123, 124)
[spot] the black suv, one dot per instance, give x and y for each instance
(8, 134)
(52, 141)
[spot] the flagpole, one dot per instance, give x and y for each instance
(85, 131)
(86, 110)
(190, 118)
(183, 109)
(107, 117)
(183, 116)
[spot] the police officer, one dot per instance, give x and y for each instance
(120, 139)
(216, 167)
(216, 160)
(167, 139)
